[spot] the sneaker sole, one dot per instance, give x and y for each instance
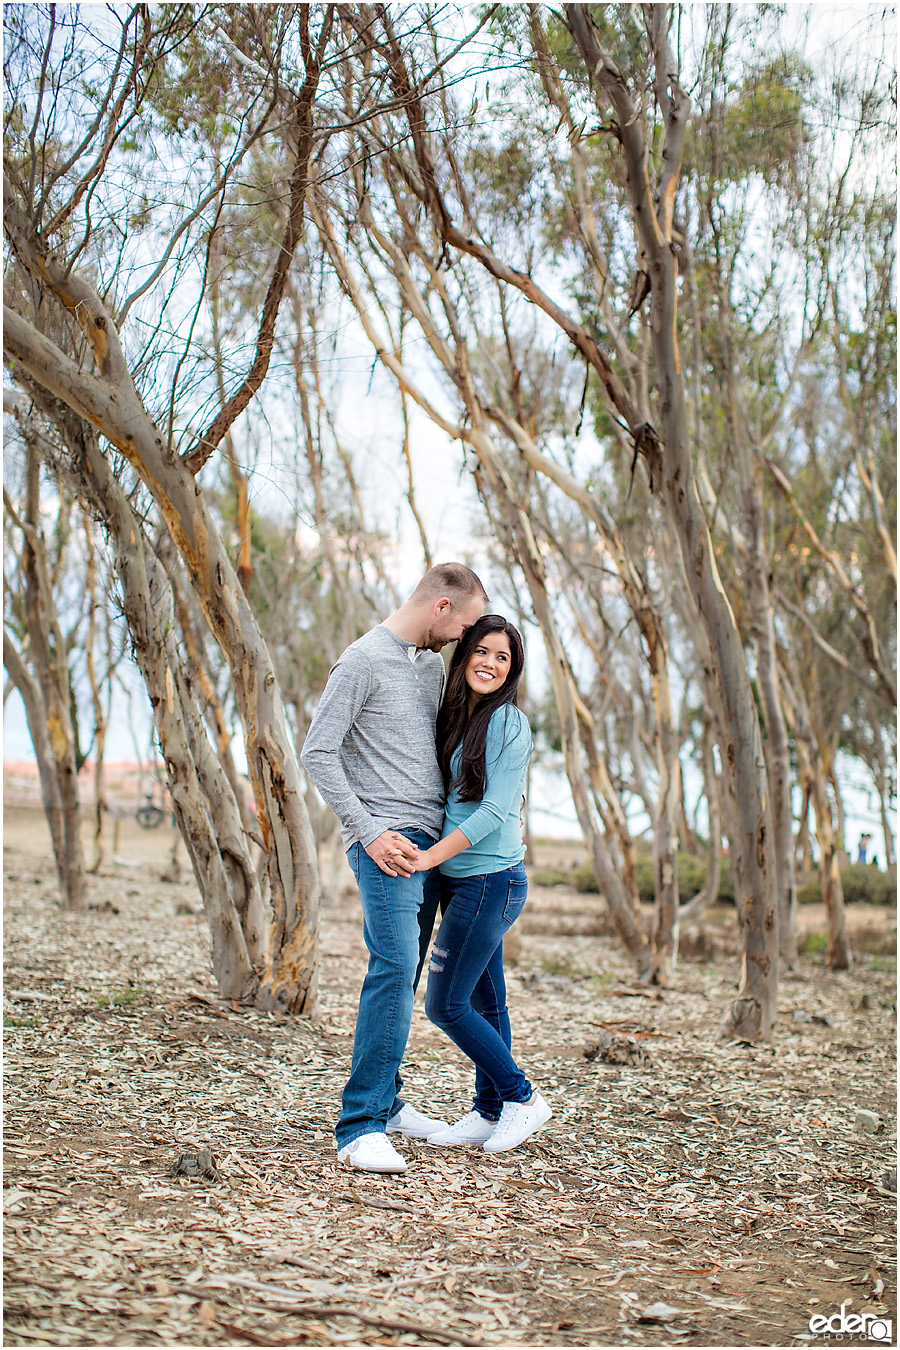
(458, 1143)
(410, 1134)
(380, 1171)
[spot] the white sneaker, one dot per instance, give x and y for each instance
(517, 1121)
(372, 1153)
(410, 1121)
(472, 1129)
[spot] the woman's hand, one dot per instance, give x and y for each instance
(423, 863)
(441, 852)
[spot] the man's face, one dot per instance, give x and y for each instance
(449, 622)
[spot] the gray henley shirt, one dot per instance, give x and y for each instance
(370, 746)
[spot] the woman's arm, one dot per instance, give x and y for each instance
(440, 852)
(507, 761)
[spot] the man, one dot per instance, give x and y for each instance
(370, 751)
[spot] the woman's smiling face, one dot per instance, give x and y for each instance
(488, 666)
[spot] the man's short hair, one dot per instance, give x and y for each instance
(452, 579)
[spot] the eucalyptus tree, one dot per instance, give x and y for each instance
(427, 187)
(36, 652)
(613, 86)
(601, 201)
(107, 653)
(88, 113)
(784, 223)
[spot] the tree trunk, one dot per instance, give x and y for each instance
(198, 665)
(36, 716)
(48, 659)
(814, 765)
(839, 956)
(840, 831)
(752, 1013)
(198, 805)
(100, 719)
(111, 403)
(665, 826)
(762, 624)
(610, 809)
(803, 844)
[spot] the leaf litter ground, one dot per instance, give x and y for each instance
(685, 1191)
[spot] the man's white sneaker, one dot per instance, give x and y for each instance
(372, 1153)
(517, 1121)
(411, 1122)
(472, 1129)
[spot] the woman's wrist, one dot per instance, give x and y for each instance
(447, 848)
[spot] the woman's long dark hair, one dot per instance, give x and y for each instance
(455, 726)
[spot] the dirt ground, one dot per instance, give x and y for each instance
(685, 1191)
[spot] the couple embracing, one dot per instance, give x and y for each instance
(425, 774)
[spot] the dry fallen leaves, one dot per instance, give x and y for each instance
(722, 1184)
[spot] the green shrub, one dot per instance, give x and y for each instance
(862, 883)
(583, 878)
(815, 943)
(691, 876)
(725, 895)
(865, 885)
(551, 876)
(645, 883)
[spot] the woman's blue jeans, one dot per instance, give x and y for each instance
(398, 919)
(466, 993)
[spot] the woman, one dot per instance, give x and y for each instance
(484, 745)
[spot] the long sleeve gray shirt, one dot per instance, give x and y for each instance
(370, 747)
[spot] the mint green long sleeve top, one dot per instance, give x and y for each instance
(492, 825)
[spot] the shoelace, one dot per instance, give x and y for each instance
(503, 1127)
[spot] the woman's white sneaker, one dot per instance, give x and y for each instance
(411, 1122)
(517, 1121)
(372, 1153)
(472, 1129)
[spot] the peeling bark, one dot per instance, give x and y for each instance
(54, 739)
(110, 402)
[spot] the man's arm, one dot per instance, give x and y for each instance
(342, 701)
(343, 698)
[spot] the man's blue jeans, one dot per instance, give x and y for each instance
(398, 918)
(466, 994)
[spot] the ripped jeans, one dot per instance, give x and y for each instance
(466, 994)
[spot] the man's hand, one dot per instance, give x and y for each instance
(393, 853)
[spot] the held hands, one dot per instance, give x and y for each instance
(424, 862)
(396, 855)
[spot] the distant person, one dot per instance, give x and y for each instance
(862, 851)
(370, 751)
(484, 746)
